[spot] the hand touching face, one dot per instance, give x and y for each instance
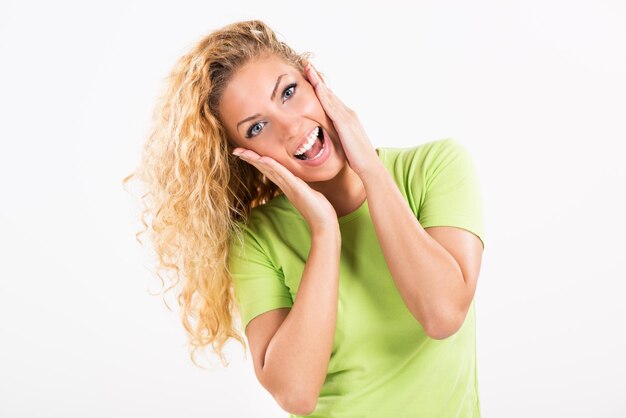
(358, 149)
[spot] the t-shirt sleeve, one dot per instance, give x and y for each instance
(452, 192)
(259, 286)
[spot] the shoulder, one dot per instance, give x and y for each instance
(421, 155)
(268, 221)
(278, 209)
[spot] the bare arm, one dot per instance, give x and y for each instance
(294, 365)
(426, 274)
(297, 357)
(436, 287)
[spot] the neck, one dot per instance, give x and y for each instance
(345, 192)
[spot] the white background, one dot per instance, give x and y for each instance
(536, 90)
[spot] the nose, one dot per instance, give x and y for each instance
(290, 126)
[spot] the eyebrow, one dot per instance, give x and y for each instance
(272, 98)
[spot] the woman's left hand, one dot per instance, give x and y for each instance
(359, 151)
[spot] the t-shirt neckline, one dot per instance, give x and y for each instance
(355, 213)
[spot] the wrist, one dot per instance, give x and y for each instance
(373, 170)
(328, 232)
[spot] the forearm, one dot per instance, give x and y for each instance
(426, 275)
(297, 357)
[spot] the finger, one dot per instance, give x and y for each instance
(279, 173)
(321, 90)
(312, 75)
(252, 158)
(272, 169)
(333, 106)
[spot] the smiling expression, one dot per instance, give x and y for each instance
(270, 108)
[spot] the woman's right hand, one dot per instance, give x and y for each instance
(312, 205)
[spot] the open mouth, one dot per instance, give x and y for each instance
(316, 149)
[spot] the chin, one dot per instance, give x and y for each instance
(328, 173)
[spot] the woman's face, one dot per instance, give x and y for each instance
(270, 108)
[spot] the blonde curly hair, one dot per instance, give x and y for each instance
(196, 191)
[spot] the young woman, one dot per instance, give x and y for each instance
(352, 269)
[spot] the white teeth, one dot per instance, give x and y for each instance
(309, 142)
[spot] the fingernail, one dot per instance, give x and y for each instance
(313, 73)
(237, 153)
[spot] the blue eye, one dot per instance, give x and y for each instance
(291, 89)
(252, 131)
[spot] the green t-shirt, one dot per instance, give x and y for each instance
(382, 362)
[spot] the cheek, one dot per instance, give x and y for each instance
(309, 103)
(273, 151)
